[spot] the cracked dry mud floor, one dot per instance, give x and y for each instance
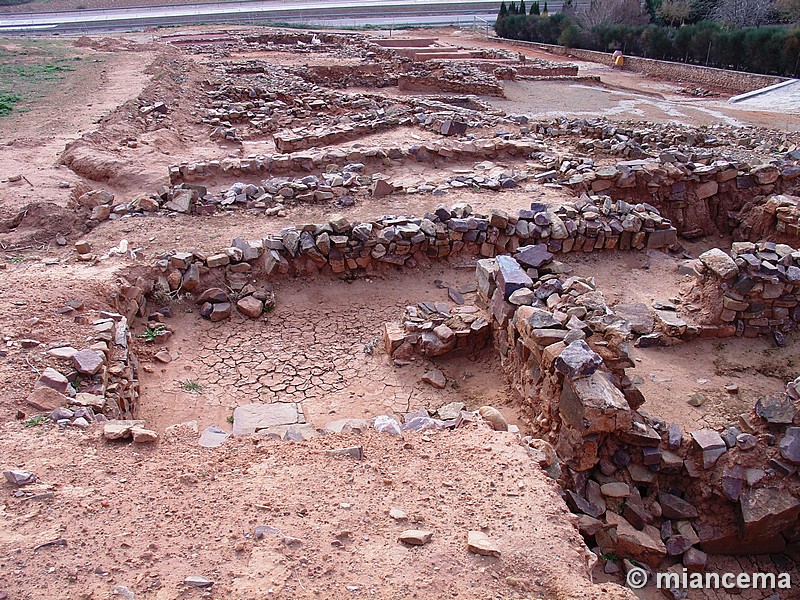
(311, 350)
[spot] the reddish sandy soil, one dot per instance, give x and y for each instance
(146, 518)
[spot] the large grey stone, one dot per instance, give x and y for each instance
(578, 360)
(213, 436)
(594, 405)
(639, 316)
(510, 276)
(533, 256)
(250, 418)
(767, 511)
(790, 445)
(485, 270)
(719, 263)
(778, 409)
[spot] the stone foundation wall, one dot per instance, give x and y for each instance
(292, 141)
(317, 159)
(756, 288)
(736, 81)
(644, 489)
(413, 82)
(340, 246)
(101, 381)
(699, 198)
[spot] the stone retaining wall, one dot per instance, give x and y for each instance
(700, 198)
(414, 82)
(102, 379)
(756, 288)
(736, 81)
(340, 246)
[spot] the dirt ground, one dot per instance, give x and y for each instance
(148, 517)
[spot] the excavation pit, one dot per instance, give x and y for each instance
(321, 348)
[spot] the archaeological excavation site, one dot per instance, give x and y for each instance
(340, 314)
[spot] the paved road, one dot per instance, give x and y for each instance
(379, 12)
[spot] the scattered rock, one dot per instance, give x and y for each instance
(416, 537)
(213, 436)
(435, 378)
(451, 411)
(18, 477)
(163, 356)
(397, 514)
(479, 543)
(197, 581)
(143, 436)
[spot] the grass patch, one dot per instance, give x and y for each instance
(191, 385)
(151, 334)
(7, 102)
(29, 69)
(35, 421)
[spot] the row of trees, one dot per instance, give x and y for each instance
(519, 9)
(769, 49)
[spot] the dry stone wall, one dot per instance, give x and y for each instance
(644, 489)
(756, 288)
(100, 381)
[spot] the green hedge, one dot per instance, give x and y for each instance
(770, 50)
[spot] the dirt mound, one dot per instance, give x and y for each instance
(38, 222)
(113, 45)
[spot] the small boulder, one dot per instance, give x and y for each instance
(46, 399)
(250, 307)
(143, 436)
(480, 543)
(719, 263)
(435, 378)
(53, 379)
(416, 537)
(493, 416)
(87, 362)
(18, 477)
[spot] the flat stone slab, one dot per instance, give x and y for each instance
(719, 263)
(212, 437)
(639, 316)
(776, 409)
(510, 276)
(250, 418)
